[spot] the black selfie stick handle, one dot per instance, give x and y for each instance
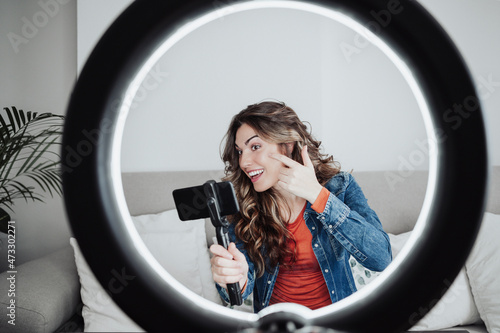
(222, 237)
(233, 289)
(221, 229)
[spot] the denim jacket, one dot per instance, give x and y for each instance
(347, 226)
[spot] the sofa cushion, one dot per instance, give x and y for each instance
(404, 191)
(46, 296)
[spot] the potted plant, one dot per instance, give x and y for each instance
(29, 166)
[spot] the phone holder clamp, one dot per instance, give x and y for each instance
(221, 231)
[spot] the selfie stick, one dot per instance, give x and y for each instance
(221, 230)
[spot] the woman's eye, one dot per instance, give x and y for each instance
(255, 147)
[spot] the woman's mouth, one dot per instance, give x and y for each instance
(255, 175)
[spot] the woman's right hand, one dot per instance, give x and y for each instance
(228, 266)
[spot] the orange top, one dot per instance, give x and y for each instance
(303, 283)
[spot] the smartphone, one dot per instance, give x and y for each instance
(191, 202)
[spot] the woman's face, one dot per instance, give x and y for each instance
(254, 158)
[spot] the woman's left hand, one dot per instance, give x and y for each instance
(299, 179)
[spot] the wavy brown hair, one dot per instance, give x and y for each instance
(260, 224)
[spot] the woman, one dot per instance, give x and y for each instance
(300, 218)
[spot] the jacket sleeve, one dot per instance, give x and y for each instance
(357, 227)
(251, 276)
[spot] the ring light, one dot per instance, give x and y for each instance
(97, 211)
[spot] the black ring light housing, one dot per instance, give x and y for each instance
(451, 224)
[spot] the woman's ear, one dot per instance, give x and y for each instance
(289, 148)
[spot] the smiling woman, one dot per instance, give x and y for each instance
(292, 196)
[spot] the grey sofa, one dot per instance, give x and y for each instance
(48, 297)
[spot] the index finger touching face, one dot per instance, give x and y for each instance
(284, 159)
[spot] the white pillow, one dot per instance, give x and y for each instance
(180, 247)
(456, 307)
(483, 270)
(100, 313)
(362, 276)
(397, 242)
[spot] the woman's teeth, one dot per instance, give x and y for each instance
(255, 173)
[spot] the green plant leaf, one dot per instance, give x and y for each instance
(4, 130)
(6, 126)
(23, 118)
(36, 154)
(4, 221)
(11, 119)
(17, 117)
(25, 154)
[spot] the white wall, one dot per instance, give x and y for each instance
(355, 107)
(37, 73)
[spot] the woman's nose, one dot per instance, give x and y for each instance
(245, 160)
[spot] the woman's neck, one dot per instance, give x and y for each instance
(295, 204)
